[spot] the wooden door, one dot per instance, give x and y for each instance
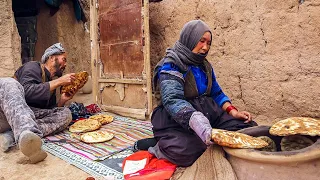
(121, 56)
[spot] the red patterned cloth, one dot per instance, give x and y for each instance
(144, 165)
(93, 109)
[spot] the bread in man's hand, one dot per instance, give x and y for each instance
(80, 80)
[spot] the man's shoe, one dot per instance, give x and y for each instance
(30, 145)
(6, 141)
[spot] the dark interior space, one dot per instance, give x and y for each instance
(25, 13)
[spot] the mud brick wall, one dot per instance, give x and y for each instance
(265, 53)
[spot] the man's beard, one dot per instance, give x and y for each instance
(59, 71)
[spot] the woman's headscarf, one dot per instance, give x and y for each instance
(181, 53)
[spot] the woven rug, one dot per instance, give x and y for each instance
(101, 160)
(109, 169)
(126, 131)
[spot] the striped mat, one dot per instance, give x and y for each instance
(126, 131)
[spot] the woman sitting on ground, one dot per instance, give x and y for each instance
(192, 101)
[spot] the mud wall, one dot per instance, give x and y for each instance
(10, 47)
(63, 27)
(265, 53)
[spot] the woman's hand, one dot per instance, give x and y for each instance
(241, 115)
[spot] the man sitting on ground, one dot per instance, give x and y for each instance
(28, 107)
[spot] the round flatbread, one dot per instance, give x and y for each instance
(295, 142)
(236, 139)
(296, 125)
(79, 82)
(272, 147)
(96, 137)
(85, 126)
(102, 118)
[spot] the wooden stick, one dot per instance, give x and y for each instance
(147, 56)
(94, 48)
(123, 111)
(124, 81)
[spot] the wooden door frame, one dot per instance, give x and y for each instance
(96, 66)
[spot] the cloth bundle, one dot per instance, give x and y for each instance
(144, 165)
(79, 111)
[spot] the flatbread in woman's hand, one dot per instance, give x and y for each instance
(96, 137)
(79, 82)
(85, 125)
(102, 118)
(296, 125)
(236, 139)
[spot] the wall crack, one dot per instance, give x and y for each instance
(241, 91)
(263, 35)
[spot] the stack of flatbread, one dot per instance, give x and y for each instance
(102, 118)
(89, 127)
(85, 125)
(236, 139)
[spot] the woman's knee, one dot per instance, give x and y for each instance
(186, 161)
(183, 154)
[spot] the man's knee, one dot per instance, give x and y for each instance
(67, 114)
(11, 83)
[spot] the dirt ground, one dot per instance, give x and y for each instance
(13, 166)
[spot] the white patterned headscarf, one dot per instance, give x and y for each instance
(55, 49)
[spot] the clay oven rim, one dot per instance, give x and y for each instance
(306, 154)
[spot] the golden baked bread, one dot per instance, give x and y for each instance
(295, 142)
(236, 139)
(79, 82)
(96, 137)
(102, 118)
(85, 125)
(296, 125)
(272, 147)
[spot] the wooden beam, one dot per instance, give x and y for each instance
(124, 81)
(123, 111)
(94, 48)
(147, 62)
